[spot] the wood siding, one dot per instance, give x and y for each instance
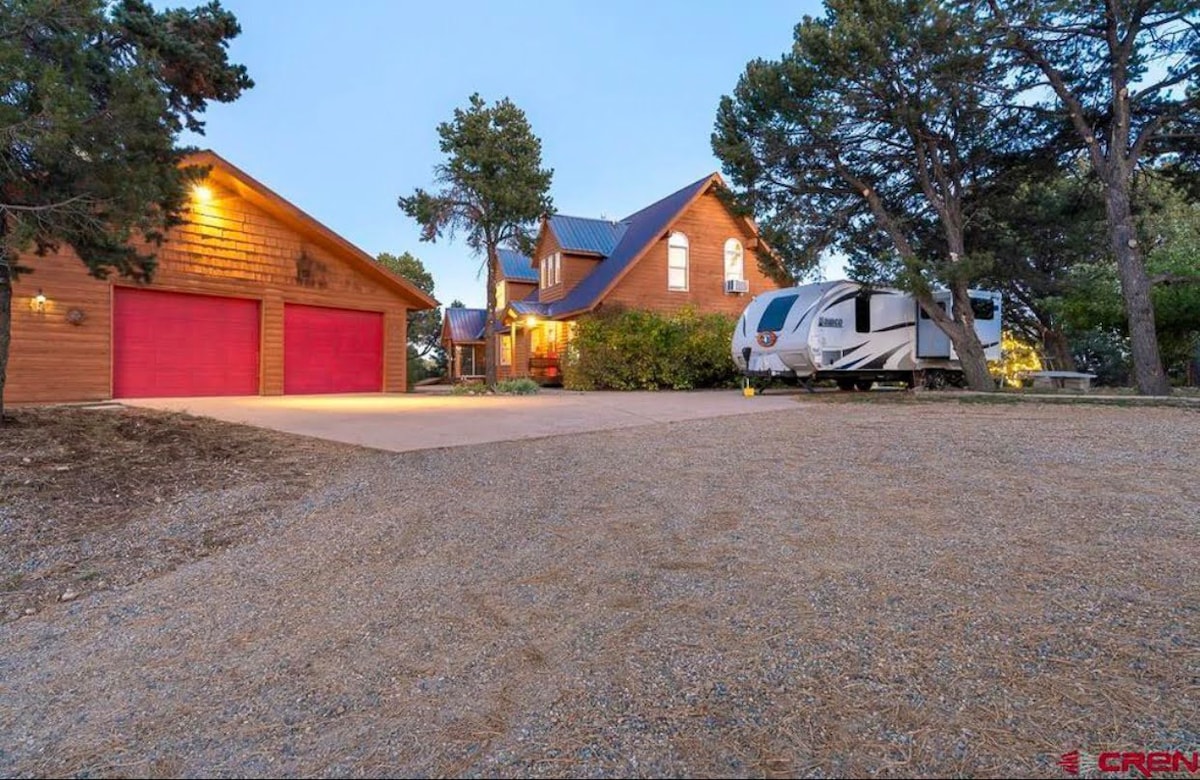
(519, 291)
(574, 269)
(547, 245)
(227, 247)
(707, 224)
(519, 367)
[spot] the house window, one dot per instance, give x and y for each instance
(506, 350)
(466, 361)
(500, 300)
(735, 265)
(677, 262)
(551, 270)
(551, 338)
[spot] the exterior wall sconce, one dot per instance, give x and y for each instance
(38, 302)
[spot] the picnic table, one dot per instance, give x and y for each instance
(1066, 380)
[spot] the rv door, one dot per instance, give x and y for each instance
(932, 341)
(985, 306)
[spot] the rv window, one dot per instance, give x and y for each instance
(776, 313)
(925, 315)
(983, 308)
(862, 313)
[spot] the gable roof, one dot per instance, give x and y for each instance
(639, 232)
(465, 324)
(516, 267)
(586, 236)
(228, 175)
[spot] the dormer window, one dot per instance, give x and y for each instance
(551, 270)
(677, 262)
(735, 262)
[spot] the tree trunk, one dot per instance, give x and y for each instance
(1148, 371)
(6, 280)
(1058, 349)
(1193, 365)
(966, 342)
(5, 329)
(490, 357)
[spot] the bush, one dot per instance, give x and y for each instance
(469, 388)
(1105, 354)
(625, 349)
(522, 386)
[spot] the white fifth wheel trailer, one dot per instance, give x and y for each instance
(856, 335)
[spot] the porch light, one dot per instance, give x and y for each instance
(201, 194)
(531, 320)
(38, 302)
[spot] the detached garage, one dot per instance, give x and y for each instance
(251, 296)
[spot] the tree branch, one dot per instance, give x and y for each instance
(46, 206)
(1166, 280)
(1057, 83)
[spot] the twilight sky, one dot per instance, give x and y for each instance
(343, 118)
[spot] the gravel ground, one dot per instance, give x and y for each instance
(842, 589)
(92, 498)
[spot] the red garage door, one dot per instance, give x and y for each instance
(331, 350)
(173, 344)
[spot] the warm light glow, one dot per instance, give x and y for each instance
(201, 193)
(38, 302)
(531, 320)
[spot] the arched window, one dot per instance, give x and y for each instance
(735, 263)
(677, 262)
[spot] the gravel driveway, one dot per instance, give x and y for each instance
(835, 589)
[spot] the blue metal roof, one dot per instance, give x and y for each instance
(516, 267)
(530, 307)
(579, 234)
(641, 229)
(466, 324)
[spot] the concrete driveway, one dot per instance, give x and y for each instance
(426, 420)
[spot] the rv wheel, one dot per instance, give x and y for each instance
(845, 385)
(863, 385)
(935, 380)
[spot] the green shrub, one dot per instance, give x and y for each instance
(521, 386)
(626, 349)
(469, 388)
